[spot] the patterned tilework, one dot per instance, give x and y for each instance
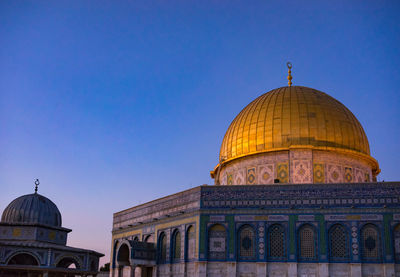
(302, 172)
(239, 177)
(319, 173)
(229, 179)
(266, 174)
(358, 175)
(348, 174)
(302, 196)
(354, 242)
(251, 176)
(223, 179)
(282, 172)
(335, 173)
(261, 242)
(366, 177)
(17, 232)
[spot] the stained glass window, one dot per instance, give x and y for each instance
(217, 242)
(338, 243)
(276, 241)
(191, 238)
(176, 245)
(163, 248)
(307, 243)
(370, 242)
(246, 243)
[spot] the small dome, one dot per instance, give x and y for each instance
(34, 209)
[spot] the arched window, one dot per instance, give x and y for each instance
(246, 243)
(123, 255)
(162, 248)
(217, 242)
(370, 243)
(191, 243)
(176, 248)
(307, 243)
(149, 239)
(70, 262)
(396, 243)
(276, 242)
(23, 259)
(338, 243)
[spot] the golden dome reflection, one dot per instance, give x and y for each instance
(295, 117)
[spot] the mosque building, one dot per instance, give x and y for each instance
(295, 194)
(33, 242)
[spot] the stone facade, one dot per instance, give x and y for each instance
(296, 166)
(346, 229)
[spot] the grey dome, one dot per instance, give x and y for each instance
(32, 208)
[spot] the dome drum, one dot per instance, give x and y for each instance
(297, 166)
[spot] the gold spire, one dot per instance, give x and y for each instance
(289, 77)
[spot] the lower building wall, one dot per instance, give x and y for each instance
(397, 270)
(246, 269)
(340, 270)
(217, 269)
(259, 269)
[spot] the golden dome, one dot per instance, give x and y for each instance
(295, 117)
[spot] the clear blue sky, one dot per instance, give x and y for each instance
(115, 103)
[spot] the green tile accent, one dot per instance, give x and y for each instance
(204, 219)
(322, 234)
(231, 225)
(292, 234)
(386, 225)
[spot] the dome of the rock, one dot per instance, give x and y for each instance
(303, 124)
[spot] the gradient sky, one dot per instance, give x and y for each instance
(115, 103)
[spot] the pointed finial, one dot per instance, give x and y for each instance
(289, 77)
(36, 185)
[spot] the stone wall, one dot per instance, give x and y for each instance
(238, 269)
(159, 209)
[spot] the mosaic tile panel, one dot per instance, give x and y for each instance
(319, 173)
(358, 175)
(301, 171)
(282, 172)
(266, 174)
(366, 177)
(348, 174)
(229, 179)
(335, 173)
(334, 195)
(239, 177)
(251, 176)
